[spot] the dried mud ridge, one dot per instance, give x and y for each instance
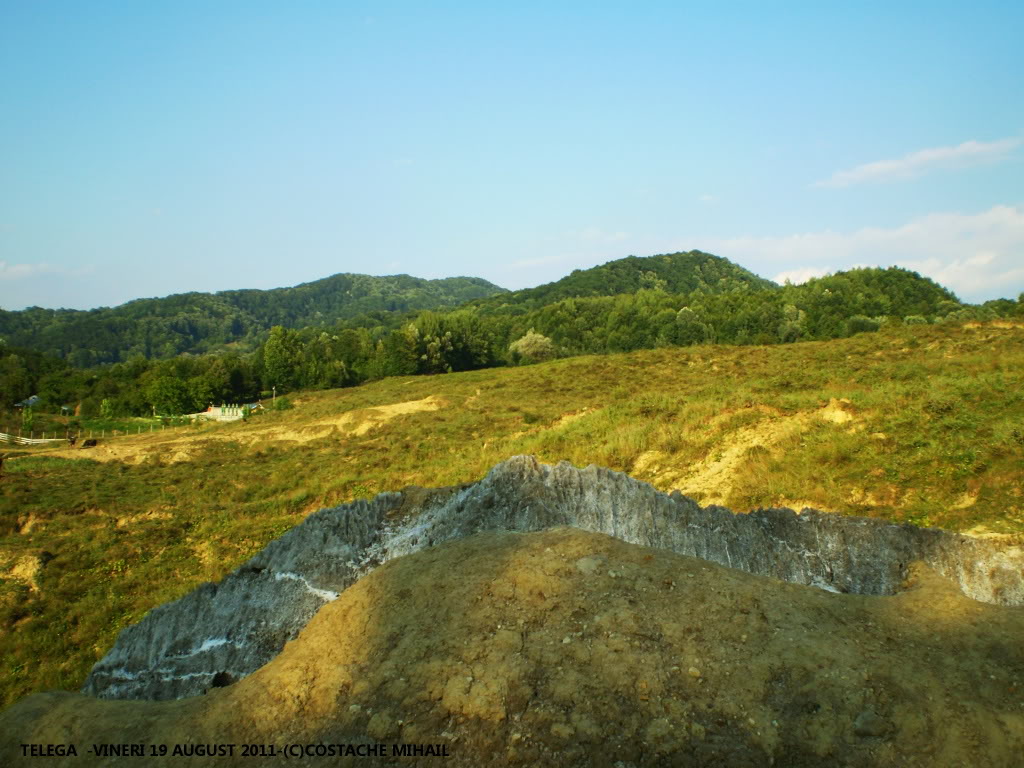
(570, 648)
(222, 632)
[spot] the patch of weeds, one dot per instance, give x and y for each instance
(940, 406)
(360, 491)
(43, 463)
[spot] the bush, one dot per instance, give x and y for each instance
(861, 324)
(532, 348)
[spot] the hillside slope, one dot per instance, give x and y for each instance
(923, 424)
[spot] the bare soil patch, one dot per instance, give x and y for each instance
(713, 478)
(175, 446)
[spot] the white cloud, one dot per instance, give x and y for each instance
(48, 285)
(916, 163)
(576, 247)
(19, 271)
(978, 256)
(798, 276)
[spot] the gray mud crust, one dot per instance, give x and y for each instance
(220, 633)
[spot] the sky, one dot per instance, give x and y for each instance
(161, 147)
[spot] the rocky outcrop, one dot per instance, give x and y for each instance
(222, 632)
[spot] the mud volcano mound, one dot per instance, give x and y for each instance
(557, 616)
(222, 632)
(566, 647)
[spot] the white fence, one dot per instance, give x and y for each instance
(6, 438)
(88, 434)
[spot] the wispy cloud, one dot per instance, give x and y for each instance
(917, 163)
(570, 249)
(574, 246)
(979, 256)
(48, 285)
(20, 271)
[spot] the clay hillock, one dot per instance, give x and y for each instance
(573, 648)
(228, 630)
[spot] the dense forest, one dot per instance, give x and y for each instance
(197, 323)
(715, 302)
(680, 273)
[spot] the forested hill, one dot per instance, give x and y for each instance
(678, 273)
(201, 322)
(468, 337)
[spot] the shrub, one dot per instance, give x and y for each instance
(532, 348)
(861, 324)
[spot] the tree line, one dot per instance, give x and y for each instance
(484, 335)
(199, 323)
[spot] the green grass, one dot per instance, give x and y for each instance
(936, 437)
(32, 463)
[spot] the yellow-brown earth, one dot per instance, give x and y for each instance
(570, 648)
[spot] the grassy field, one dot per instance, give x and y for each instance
(922, 424)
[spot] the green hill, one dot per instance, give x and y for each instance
(203, 322)
(670, 272)
(323, 349)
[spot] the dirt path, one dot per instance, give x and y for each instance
(179, 445)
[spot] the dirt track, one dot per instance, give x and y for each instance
(177, 445)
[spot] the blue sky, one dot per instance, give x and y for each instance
(155, 148)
